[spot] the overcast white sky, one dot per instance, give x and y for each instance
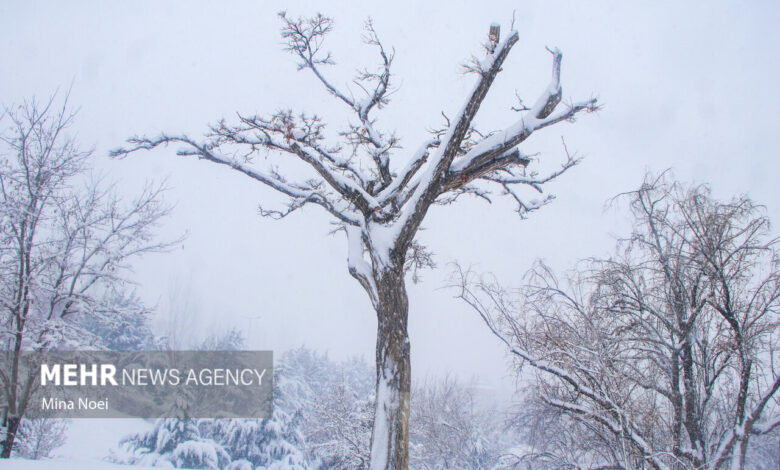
(690, 86)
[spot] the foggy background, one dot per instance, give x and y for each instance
(689, 86)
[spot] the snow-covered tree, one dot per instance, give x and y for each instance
(230, 340)
(38, 438)
(663, 356)
(450, 429)
(273, 443)
(124, 325)
(179, 441)
(65, 244)
(174, 442)
(339, 411)
(338, 427)
(276, 443)
(378, 194)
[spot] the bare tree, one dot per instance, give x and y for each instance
(65, 243)
(38, 438)
(338, 424)
(380, 205)
(664, 355)
(449, 429)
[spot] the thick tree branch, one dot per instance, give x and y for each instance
(429, 187)
(358, 267)
(538, 117)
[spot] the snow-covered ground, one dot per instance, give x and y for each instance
(63, 464)
(89, 441)
(92, 438)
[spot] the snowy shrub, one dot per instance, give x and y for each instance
(334, 402)
(200, 454)
(157, 446)
(216, 443)
(38, 438)
(240, 465)
(259, 442)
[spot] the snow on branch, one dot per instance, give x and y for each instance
(428, 188)
(378, 96)
(305, 38)
(749, 425)
(460, 159)
(490, 302)
(537, 117)
(358, 267)
(295, 139)
(444, 167)
(405, 175)
(768, 426)
(312, 191)
(352, 180)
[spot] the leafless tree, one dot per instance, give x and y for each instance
(338, 427)
(377, 199)
(451, 430)
(664, 355)
(38, 438)
(65, 242)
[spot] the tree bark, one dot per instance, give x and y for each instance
(390, 436)
(15, 406)
(12, 425)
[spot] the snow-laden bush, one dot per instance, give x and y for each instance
(38, 438)
(240, 465)
(172, 443)
(200, 454)
(238, 444)
(261, 443)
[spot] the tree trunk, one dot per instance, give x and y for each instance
(12, 404)
(12, 425)
(390, 436)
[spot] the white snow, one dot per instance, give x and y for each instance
(64, 464)
(379, 446)
(356, 260)
(92, 438)
(383, 238)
